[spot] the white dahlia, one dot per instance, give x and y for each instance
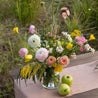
(34, 41)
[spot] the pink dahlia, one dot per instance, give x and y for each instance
(23, 52)
(41, 54)
(31, 29)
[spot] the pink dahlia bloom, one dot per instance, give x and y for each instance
(41, 54)
(23, 52)
(51, 60)
(63, 60)
(31, 29)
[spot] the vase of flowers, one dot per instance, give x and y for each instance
(46, 56)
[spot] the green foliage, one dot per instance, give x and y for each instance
(27, 10)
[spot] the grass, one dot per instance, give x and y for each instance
(45, 18)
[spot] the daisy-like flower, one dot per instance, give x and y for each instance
(59, 49)
(41, 54)
(34, 41)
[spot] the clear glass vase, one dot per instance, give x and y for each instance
(52, 83)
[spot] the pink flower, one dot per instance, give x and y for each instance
(81, 49)
(41, 54)
(31, 29)
(51, 60)
(62, 32)
(64, 15)
(65, 9)
(51, 35)
(63, 60)
(80, 43)
(58, 37)
(83, 39)
(23, 52)
(80, 40)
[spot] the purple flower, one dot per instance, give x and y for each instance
(23, 52)
(31, 29)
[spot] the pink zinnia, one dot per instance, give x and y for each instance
(41, 54)
(81, 49)
(63, 60)
(51, 60)
(31, 29)
(23, 52)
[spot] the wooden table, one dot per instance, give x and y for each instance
(84, 85)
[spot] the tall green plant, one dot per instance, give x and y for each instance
(27, 10)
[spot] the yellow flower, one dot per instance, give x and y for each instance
(58, 68)
(62, 43)
(15, 30)
(54, 65)
(91, 37)
(69, 46)
(28, 58)
(73, 34)
(26, 71)
(77, 31)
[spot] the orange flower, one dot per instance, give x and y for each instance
(63, 60)
(51, 60)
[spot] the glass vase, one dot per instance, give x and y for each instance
(51, 82)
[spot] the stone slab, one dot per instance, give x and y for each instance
(84, 85)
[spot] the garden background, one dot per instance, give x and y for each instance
(45, 15)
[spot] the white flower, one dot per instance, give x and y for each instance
(59, 49)
(50, 50)
(92, 50)
(87, 47)
(65, 34)
(34, 41)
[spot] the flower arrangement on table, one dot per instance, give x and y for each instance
(46, 58)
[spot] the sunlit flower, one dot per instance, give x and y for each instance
(23, 52)
(51, 60)
(91, 37)
(31, 29)
(15, 30)
(41, 54)
(28, 58)
(63, 60)
(58, 68)
(59, 49)
(34, 41)
(69, 46)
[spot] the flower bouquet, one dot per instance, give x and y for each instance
(45, 59)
